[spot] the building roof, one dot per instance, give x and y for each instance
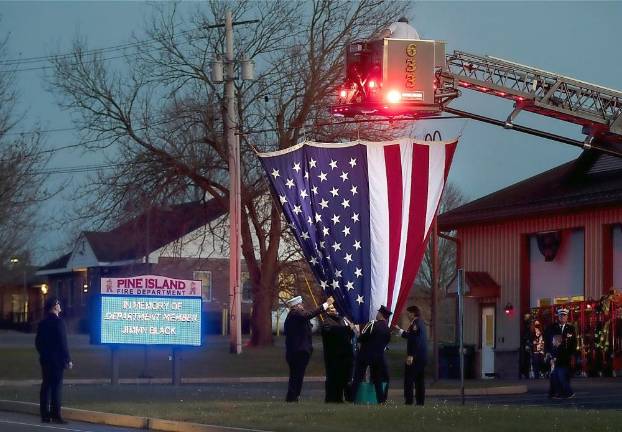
(592, 180)
(146, 233)
(478, 285)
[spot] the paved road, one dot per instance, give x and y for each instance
(13, 422)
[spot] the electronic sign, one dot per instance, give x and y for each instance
(150, 310)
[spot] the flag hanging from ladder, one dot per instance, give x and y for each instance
(362, 212)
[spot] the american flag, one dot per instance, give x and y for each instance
(361, 212)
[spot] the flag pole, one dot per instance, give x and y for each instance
(312, 296)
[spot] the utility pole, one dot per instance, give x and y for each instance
(235, 321)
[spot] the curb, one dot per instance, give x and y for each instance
(121, 420)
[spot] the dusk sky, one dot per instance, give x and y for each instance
(576, 39)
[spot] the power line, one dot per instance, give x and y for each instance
(112, 48)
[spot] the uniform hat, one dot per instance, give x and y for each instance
(294, 301)
(414, 309)
(562, 311)
(386, 313)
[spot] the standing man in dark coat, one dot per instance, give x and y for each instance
(561, 355)
(51, 343)
(337, 334)
(374, 339)
(298, 344)
(416, 356)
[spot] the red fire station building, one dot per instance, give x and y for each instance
(552, 239)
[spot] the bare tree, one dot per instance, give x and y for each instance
(21, 181)
(163, 115)
(452, 198)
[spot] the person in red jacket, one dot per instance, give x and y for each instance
(51, 343)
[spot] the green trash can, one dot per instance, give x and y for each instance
(366, 393)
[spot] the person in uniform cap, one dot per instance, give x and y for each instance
(561, 347)
(416, 356)
(337, 334)
(373, 340)
(298, 345)
(51, 344)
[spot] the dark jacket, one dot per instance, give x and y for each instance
(336, 337)
(298, 330)
(51, 342)
(568, 347)
(417, 345)
(374, 339)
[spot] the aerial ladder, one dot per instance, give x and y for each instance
(401, 78)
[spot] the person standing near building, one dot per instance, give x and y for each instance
(337, 334)
(537, 356)
(374, 339)
(298, 344)
(416, 356)
(51, 344)
(566, 334)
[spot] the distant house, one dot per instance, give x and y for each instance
(22, 294)
(177, 241)
(551, 239)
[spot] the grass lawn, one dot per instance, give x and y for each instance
(191, 403)
(211, 360)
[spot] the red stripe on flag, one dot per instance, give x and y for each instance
(416, 222)
(393, 163)
(450, 149)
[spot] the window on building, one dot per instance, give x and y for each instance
(247, 288)
(556, 268)
(206, 284)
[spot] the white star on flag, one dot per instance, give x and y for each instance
(336, 246)
(312, 163)
(333, 164)
(324, 285)
(358, 272)
(359, 299)
(335, 219)
(314, 190)
(297, 209)
(318, 217)
(323, 203)
(296, 167)
(345, 203)
(283, 199)
(305, 235)
(357, 245)
(334, 191)
(313, 261)
(338, 273)
(355, 217)
(304, 194)
(335, 283)
(344, 176)
(325, 231)
(346, 231)
(348, 258)
(349, 286)
(289, 183)
(275, 173)
(354, 190)
(352, 162)
(322, 177)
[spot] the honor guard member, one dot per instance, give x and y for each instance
(298, 345)
(373, 340)
(416, 356)
(51, 344)
(562, 354)
(337, 334)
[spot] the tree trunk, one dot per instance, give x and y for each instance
(261, 318)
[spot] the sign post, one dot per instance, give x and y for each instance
(461, 325)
